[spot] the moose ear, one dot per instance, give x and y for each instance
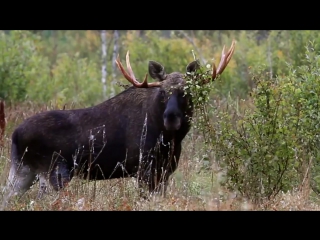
(156, 71)
(193, 66)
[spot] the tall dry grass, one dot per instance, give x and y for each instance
(194, 185)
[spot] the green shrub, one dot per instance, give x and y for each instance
(27, 74)
(73, 79)
(20, 64)
(270, 148)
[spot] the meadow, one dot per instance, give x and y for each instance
(254, 142)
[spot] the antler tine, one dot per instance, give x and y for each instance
(130, 76)
(231, 51)
(227, 58)
(129, 66)
(224, 60)
(134, 80)
(119, 65)
(214, 71)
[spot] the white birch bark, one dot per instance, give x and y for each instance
(114, 55)
(269, 57)
(104, 63)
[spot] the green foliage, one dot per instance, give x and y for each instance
(236, 80)
(271, 147)
(28, 58)
(199, 86)
(289, 46)
(174, 53)
(26, 73)
(20, 63)
(257, 149)
(74, 79)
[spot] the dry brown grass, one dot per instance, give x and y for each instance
(194, 186)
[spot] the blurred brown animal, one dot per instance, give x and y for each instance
(137, 133)
(2, 123)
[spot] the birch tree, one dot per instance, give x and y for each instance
(269, 57)
(104, 63)
(114, 55)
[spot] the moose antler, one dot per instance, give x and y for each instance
(225, 59)
(130, 76)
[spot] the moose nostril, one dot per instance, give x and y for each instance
(171, 115)
(165, 115)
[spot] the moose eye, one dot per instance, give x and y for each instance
(181, 94)
(163, 93)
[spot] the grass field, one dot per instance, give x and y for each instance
(194, 186)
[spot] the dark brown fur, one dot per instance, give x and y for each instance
(58, 142)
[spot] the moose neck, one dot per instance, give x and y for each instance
(136, 103)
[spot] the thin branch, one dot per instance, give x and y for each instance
(203, 60)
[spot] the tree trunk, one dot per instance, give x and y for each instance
(104, 63)
(269, 58)
(114, 55)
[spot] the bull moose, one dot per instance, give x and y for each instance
(136, 133)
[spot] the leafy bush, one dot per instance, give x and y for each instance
(20, 63)
(73, 79)
(271, 147)
(26, 73)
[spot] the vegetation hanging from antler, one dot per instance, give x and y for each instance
(199, 85)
